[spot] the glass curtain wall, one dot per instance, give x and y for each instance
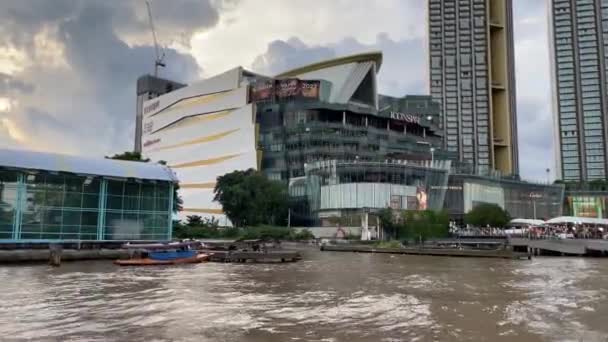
(8, 203)
(49, 206)
(136, 211)
(58, 207)
(333, 185)
(519, 199)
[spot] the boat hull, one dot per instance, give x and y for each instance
(152, 262)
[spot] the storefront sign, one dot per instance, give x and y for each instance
(148, 127)
(151, 142)
(151, 107)
(405, 117)
(449, 187)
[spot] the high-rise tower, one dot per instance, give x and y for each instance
(472, 76)
(579, 38)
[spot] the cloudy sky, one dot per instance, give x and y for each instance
(68, 67)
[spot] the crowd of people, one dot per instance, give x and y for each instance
(568, 232)
(535, 232)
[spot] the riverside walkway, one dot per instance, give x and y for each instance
(544, 246)
(563, 246)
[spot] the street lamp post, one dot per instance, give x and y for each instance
(432, 153)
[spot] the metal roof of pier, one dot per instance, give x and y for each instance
(32, 160)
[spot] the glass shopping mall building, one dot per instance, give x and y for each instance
(323, 129)
(49, 197)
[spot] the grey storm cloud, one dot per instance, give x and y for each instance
(106, 45)
(179, 19)
(109, 64)
(9, 83)
(400, 74)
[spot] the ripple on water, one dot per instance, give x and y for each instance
(556, 298)
(342, 297)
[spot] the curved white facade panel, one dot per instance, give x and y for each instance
(347, 76)
(203, 104)
(193, 175)
(202, 131)
(228, 80)
(337, 75)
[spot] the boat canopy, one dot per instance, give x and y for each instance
(158, 246)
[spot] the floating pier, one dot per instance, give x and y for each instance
(455, 252)
(56, 257)
(247, 256)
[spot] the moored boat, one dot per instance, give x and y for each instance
(162, 254)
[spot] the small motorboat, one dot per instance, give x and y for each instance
(162, 254)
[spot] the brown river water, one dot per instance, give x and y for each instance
(326, 297)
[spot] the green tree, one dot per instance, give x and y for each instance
(487, 214)
(194, 220)
(423, 225)
(388, 222)
(128, 155)
(136, 157)
(248, 198)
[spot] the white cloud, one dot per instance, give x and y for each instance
(400, 72)
(244, 33)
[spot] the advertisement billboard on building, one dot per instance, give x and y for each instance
(587, 206)
(287, 88)
(421, 198)
(310, 89)
(269, 90)
(262, 91)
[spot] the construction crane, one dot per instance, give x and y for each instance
(160, 55)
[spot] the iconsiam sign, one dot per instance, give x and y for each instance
(405, 117)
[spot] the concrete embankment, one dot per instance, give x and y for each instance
(500, 253)
(43, 255)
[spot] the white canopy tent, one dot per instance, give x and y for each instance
(525, 222)
(577, 220)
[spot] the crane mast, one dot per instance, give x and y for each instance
(159, 55)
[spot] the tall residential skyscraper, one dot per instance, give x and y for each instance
(472, 76)
(579, 39)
